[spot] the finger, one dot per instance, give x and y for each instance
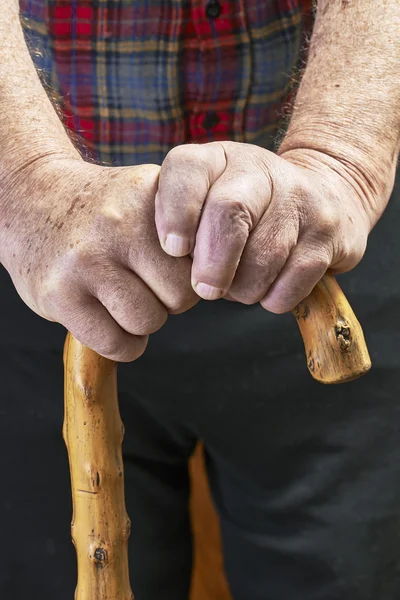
(303, 270)
(93, 326)
(352, 250)
(186, 175)
(67, 302)
(266, 252)
(167, 277)
(130, 302)
(229, 298)
(234, 206)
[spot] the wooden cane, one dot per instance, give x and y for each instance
(93, 433)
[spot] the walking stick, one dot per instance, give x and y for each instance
(93, 433)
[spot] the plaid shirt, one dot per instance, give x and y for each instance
(137, 77)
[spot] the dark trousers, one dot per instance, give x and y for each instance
(306, 478)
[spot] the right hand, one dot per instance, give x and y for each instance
(81, 246)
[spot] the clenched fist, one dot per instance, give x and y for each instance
(82, 250)
(261, 227)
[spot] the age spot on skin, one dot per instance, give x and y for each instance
(72, 207)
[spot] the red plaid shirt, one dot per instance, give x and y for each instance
(138, 77)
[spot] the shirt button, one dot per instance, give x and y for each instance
(213, 9)
(210, 120)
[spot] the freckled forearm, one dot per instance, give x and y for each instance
(348, 102)
(29, 125)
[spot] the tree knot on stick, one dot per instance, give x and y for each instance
(302, 311)
(89, 393)
(343, 336)
(100, 557)
(310, 362)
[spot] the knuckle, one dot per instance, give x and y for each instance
(182, 302)
(54, 291)
(350, 255)
(79, 257)
(92, 267)
(232, 210)
(139, 313)
(276, 306)
(177, 152)
(315, 260)
(320, 261)
(245, 296)
(111, 348)
(111, 213)
(278, 256)
(123, 351)
(327, 221)
(138, 349)
(292, 289)
(150, 322)
(188, 155)
(267, 259)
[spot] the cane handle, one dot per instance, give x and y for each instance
(334, 341)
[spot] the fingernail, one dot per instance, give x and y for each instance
(208, 292)
(176, 245)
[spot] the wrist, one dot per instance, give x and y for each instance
(370, 170)
(28, 149)
(30, 195)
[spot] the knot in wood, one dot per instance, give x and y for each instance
(89, 393)
(126, 530)
(302, 311)
(343, 336)
(100, 556)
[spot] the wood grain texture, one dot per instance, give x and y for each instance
(208, 581)
(93, 433)
(333, 339)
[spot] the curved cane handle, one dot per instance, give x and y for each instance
(334, 341)
(93, 434)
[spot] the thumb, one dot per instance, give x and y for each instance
(186, 176)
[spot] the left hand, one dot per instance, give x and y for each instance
(262, 227)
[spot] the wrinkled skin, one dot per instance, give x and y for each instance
(262, 227)
(86, 253)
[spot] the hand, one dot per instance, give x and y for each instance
(84, 251)
(261, 227)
